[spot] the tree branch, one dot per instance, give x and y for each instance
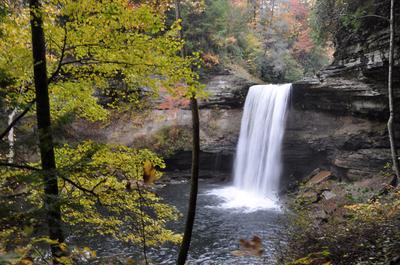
(79, 187)
(95, 61)
(376, 16)
(85, 190)
(20, 116)
(57, 71)
(13, 165)
(11, 196)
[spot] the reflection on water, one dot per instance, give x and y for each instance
(216, 231)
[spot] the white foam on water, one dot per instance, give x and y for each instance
(237, 199)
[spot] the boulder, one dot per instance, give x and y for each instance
(319, 177)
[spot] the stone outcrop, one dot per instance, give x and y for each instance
(331, 130)
(226, 91)
(338, 120)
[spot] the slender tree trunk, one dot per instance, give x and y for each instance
(253, 5)
(187, 236)
(11, 137)
(271, 20)
(46, 145)
(194, 184)
(390, 125)
(143, 226)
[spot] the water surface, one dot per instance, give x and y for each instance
(216, 234)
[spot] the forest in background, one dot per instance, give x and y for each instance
(273, 40)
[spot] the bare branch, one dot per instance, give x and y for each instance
(57, 71)
(85, 190)
(11, 196)
(20, 116)
(376, 16)
(13, 165)
(79, 187)
(98, 184)
(95, 61)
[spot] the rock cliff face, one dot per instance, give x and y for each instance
(337, 124)
(338, 121)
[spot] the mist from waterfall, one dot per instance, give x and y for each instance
(258, 161)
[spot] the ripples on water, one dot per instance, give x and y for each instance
(216, 234)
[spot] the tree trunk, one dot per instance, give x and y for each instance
(392, 137)
(187, 236)
(253, 6)
(179, 17)
(11, 137)
(46, 145)
(194, 184)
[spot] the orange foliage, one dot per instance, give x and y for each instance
(210, 59)
(304, 43)
(239, 3)
(173, 102)
(299, 9)
(251, 247)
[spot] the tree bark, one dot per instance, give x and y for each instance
(11, 137)
(392, 137)
(46, 146)
(184, 249)
(179, 17)
(187, 236)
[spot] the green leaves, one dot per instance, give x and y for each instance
(76, 98)
(102, 191)
(100, 55)
(91, 45)
(110, 178)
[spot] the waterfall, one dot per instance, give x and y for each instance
(258, 157)
(258, 162)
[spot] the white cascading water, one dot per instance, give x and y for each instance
(258, 162)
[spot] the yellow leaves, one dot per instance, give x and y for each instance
(317, 258)
(76, 98)
(63, 247)
(150, 173)
(28, 230)
(101, 174)
(85, 252)
(251, 247)
(130, 261)
(381, 209)
(44, 240)
(111, 40)
(65, 260)
(26, 261)
(105, 41)
(210, 59)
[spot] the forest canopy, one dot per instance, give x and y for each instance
(273, 40)
(101, 57)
